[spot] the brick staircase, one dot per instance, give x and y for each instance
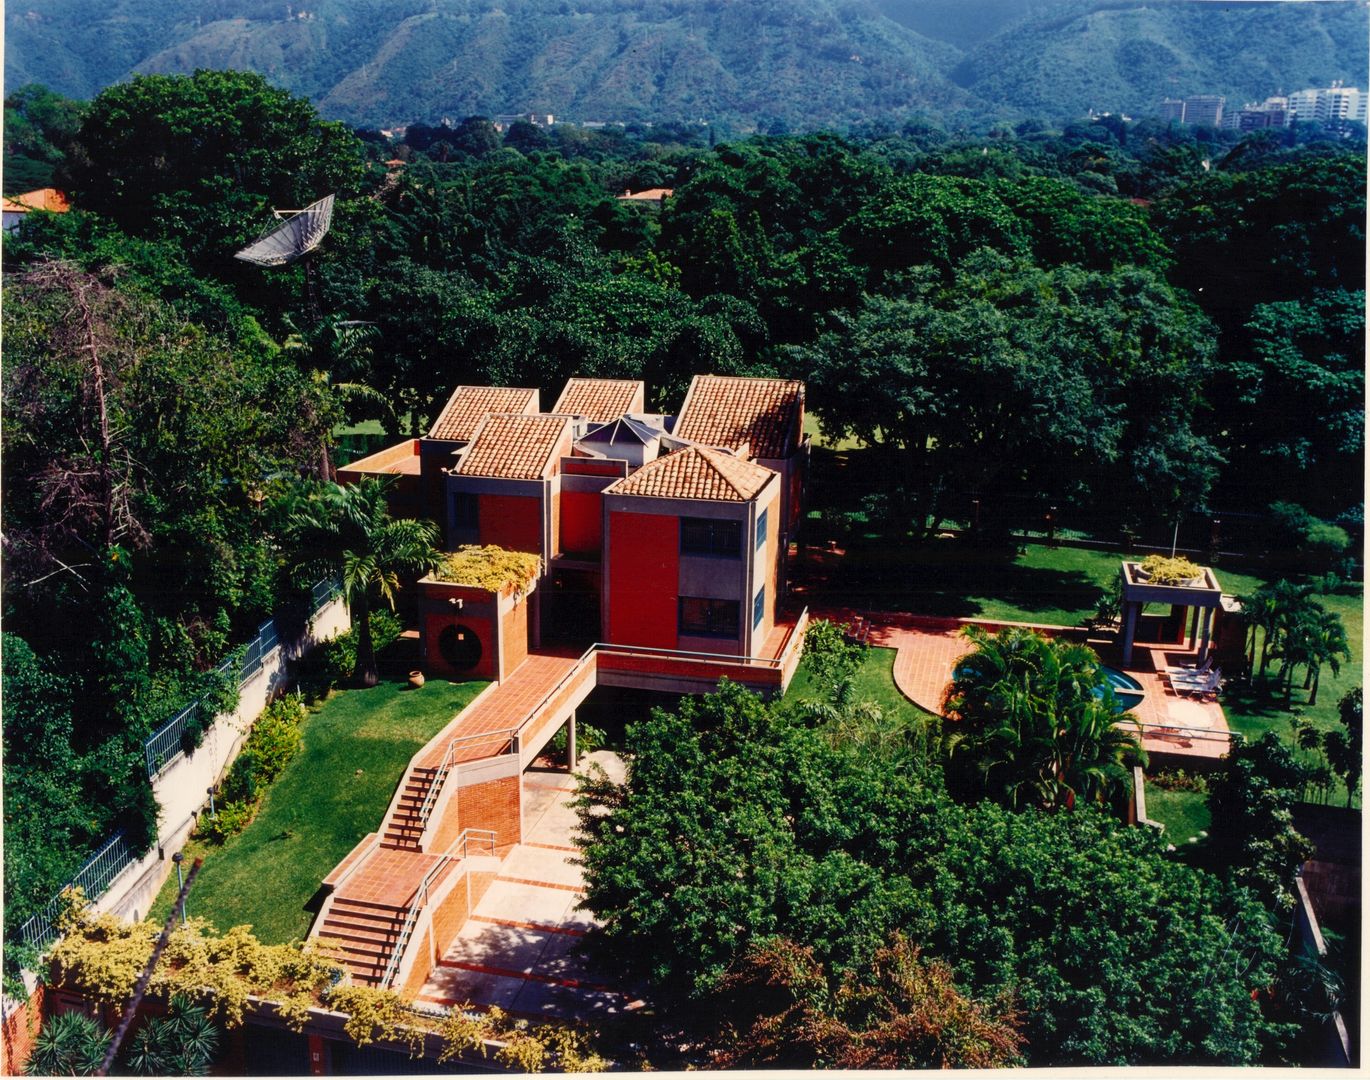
(365, 936)
(403, 829)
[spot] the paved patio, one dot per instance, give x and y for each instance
(521, 948)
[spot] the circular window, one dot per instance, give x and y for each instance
(460, 647)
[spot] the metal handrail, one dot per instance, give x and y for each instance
(420, 900)
(449, 759)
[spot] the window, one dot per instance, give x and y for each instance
(759, 608)
(708, 618)
(706, 536)
(465, 511)
(761, 529)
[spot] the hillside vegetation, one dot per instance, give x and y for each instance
(801, 63)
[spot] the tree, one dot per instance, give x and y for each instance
(903, 1012)
(1252, 832)
(183, 1043)
(201, 158)
(1031, 718)
(348, 531)
(1345, 747)
(1325, 642)
(737, 826)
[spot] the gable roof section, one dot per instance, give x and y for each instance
(695, 473)
(514, 446)
(469, 405)
(763, 414)
(600, 400)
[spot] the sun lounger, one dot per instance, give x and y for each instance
(1208, 683)
(1190, 669)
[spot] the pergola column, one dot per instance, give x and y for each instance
(1194, 625)
(571, 742)
(1131, 609)
(1208, 627)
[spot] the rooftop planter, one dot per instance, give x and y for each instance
(1159, 580)
(490, 568)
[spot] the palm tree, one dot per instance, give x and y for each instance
(1325, 643)
(1026, 713)
(347, 530)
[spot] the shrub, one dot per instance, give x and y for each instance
(274, 740)
(1164, 570)
(333, 662)
(1177, 780)
(231, 818)
(1296, 540)
(69, 1045)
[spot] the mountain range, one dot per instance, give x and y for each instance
(805, 63)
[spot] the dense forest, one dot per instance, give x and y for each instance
(1132, 320)
(800, 64)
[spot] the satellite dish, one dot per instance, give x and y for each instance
(300, 235)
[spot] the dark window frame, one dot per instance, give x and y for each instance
(711, 538)
(471, 502)
(712, 620)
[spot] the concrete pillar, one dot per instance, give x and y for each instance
(571, 742)
(1131, 609)
(1194, 626)
(1208, 627)
(318, 1065)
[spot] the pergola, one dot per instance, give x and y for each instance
(1202, 593)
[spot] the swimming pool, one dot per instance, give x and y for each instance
(1126, 689)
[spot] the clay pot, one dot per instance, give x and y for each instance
(416, 679)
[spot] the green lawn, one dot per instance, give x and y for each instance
(874, 682)
(1032, 583)
(356, 747)
(1184, 813)
(814, 430)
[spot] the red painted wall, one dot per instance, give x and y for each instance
(582, 521)
(644, 579)
(513, 522)
(435, 624)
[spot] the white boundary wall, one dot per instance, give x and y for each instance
(181, 788)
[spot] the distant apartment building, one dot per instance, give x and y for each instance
(1197, 111)
(1330, 104)
(1273, 112)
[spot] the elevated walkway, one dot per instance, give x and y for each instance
(402, 895)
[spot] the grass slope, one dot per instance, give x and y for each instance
(1183, 813)
(356, 747)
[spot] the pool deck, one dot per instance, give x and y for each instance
(927, 651)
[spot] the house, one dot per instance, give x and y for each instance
(654, 531)
(596, 545)
(17, 207)
(654, 197)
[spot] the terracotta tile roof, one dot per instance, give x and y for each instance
(600, 400)
(514, 446)
(695, 473)
(656, 194)
(469, 405)
(725, 411)
(49, 199)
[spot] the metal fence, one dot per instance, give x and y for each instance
(162, 748)
(167, 743)
(100, 869)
